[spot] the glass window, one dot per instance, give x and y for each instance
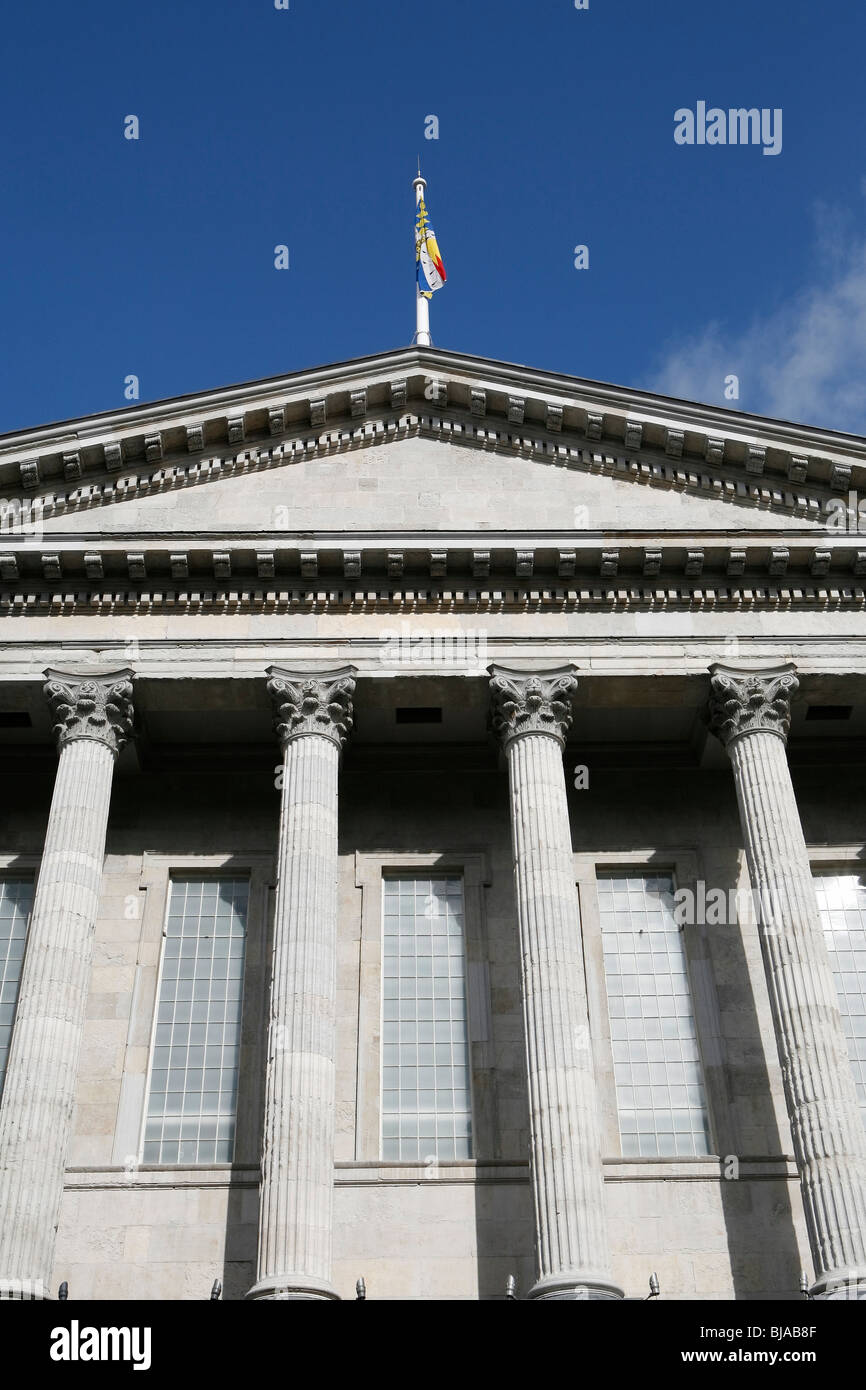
(194, 1068)
(659, 1084)
(842, 900)
(16, 900)
(426, 1099)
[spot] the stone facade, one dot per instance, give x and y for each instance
(320, 647)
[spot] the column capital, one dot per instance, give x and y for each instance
(531, 702)
(312, 702)
(746, 700)
(93, 706)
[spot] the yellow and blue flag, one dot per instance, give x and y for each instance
(428, 259)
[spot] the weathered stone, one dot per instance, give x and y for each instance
(313, 717)
(750, 712)
(531, 714)
(93, 718)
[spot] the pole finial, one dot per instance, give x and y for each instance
(422, 313)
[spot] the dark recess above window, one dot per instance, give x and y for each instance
(419, 714)
(829, 711)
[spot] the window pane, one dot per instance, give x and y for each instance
(842, 901)
(16, 900)
(659, 1087)
(199, 1040)
(426, 1099)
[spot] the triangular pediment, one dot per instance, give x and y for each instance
(425, 474)
(425, 453)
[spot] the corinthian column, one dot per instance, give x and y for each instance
(312, 719)
(92, 721)
(531, 714)
(750, 713)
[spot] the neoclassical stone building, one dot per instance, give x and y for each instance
(389, 749)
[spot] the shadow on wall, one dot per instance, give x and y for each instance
(504, 1228)
(242, 1211)
(242, 1215)
(764, 1250)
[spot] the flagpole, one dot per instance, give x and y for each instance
(422, 305)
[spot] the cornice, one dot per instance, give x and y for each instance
(382, 364)
(381, 596)
(563, 421)
(490, 559)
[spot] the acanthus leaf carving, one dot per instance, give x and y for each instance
(312, 704)
(97, 707)
(536, 702)
(751, 701)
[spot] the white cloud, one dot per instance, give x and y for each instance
(805, 361)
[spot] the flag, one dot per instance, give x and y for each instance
(428, 259)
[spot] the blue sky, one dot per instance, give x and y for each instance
(301, 127)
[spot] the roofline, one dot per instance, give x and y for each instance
(696, 412)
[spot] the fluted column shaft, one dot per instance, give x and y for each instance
(531, 714)
(751, 714)
(41, 1075)
(295, 1220)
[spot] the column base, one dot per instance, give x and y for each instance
(567, 1288)
(25, 1290)
(292, 1286)
(841, 1284)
